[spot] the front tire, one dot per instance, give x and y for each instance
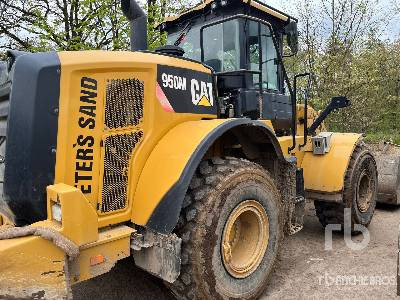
(231, 229)
(359, 195)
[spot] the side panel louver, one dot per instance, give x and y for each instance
(124, 103)
(123, 112)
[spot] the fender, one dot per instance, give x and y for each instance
(171, 166)
(324, 174)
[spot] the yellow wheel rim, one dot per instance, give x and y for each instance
(245, 239)
(364, 192)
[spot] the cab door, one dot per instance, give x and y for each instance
(262, 58)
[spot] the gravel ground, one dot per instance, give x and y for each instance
(305, 269)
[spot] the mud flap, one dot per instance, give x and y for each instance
(158, 254)
(291, 186)
(297, 206)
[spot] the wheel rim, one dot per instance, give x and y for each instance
(245, 239)
(364, 192)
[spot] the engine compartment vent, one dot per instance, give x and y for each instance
(124, 103)
(118, 149)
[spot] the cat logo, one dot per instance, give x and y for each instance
(202, 93)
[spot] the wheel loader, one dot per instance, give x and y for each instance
(194, 160)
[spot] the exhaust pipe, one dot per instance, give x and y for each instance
(138, 18)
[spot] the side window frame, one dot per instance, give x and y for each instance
(237, 46)
(262, 47)
(247, 50)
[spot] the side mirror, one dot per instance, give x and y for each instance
(292, 35)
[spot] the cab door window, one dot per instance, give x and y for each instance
(269, 56)
(262, 56)
(222, 47)
(254, 51)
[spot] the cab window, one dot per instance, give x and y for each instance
(262, 56)
(269, 64)
(222, 47)
(190, 44)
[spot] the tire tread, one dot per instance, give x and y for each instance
(209, 174)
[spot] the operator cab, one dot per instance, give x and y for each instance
(242, 42)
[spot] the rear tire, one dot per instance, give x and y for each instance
(219, 192)
(360, 191)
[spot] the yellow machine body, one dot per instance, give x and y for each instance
(167, 148)
(325, 173)
(168, 139)
(33, 265)
(152, 126)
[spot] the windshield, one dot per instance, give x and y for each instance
(221, 45)
(190, 43)
(223, 50)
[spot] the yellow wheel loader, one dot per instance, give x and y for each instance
(194, 159)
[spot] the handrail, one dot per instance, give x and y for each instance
(305, 132)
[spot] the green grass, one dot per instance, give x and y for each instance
(382, 136)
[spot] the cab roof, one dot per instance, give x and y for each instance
(254, 4)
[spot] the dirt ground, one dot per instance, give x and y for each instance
(306, 270)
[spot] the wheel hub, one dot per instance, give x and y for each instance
(364, 192)
(245, 239)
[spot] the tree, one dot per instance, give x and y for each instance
(40, 25)
(342, 47)
(37, 25)
(157, 11)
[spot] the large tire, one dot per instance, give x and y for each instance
(217, 191)
(359, 194)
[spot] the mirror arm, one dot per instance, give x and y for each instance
(336, 103)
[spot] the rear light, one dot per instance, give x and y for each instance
(97, 259)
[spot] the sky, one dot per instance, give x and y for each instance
(275, 3)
